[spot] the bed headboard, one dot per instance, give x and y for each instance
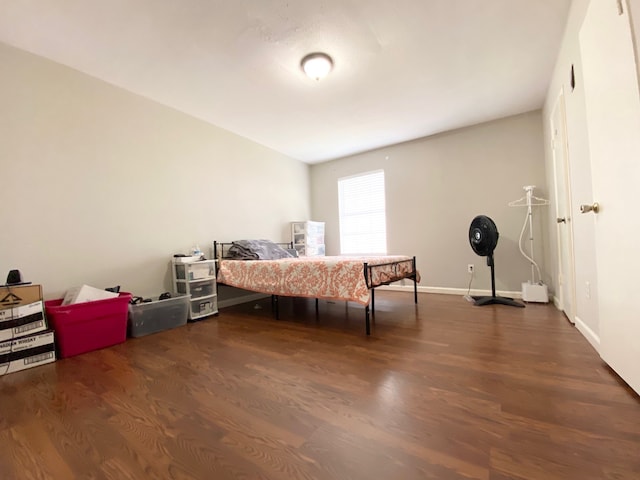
(220, 248)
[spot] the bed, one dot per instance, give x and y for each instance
(352, 279)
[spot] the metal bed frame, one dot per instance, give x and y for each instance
(368, 275)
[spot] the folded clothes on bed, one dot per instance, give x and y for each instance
(256, 250)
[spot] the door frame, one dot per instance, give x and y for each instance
(563, 190)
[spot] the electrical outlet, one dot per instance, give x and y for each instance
(470, 268)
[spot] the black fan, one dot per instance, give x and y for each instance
(483, 237)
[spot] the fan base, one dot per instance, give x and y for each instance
(481, 301)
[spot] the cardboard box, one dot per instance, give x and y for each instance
(26, 352)
(21, 311)
(85, 293)
(20, 321)
(15, 296)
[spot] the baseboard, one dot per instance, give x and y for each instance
(450, 291)
(589, 334)
(582, 327)
(230, 302)
(556, 303)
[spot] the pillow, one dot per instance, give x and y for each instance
(256, 250)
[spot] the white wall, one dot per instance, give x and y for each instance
(436, 185)
(580, 171)
(101, 186)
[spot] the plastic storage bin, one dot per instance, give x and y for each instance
(195, 270)
(197, 289)
(203, 307)
(158, 315)
(197, 279)
(84, 327)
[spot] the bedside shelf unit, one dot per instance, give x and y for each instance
(308, 238)
(197, 279)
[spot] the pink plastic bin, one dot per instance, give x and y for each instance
(88, 326)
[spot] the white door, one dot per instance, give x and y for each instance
(613, 122)
(565, 275)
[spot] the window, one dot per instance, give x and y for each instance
(361, 202)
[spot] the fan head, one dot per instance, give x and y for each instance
(483, 235)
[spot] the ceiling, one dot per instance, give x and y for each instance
(404, 69)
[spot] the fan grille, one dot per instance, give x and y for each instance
(483, 235)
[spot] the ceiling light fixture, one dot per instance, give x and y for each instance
(317, 65)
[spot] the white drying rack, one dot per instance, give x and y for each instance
(529, 201)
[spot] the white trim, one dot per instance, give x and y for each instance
(589, 334)
(562, 187)
(230, 302)
(449, 291)
(558, 305)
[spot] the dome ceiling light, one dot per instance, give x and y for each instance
(317, 65)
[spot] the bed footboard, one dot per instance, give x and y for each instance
(385, 274)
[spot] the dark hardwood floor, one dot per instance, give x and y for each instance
(441, 390)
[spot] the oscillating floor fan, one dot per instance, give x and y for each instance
(483, 237)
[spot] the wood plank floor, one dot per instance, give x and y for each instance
(441, 390)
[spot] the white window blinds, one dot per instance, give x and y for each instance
(363, 228)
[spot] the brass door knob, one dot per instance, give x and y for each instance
(595, 208)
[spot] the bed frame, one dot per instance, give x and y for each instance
(369, 272)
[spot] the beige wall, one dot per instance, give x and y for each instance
(101, 186)
(435, 186)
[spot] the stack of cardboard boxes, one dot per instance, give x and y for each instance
(25, 339)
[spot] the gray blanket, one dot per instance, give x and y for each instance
(256, 250)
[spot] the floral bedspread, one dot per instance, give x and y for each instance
(338, 277)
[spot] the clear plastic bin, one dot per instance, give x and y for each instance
(157, 315)
(197, 289)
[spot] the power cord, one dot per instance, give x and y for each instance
(468, 296)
